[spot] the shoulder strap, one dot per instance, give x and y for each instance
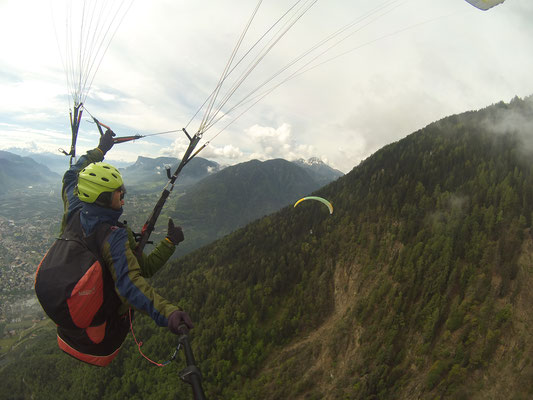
(73, 227)
(93, 242)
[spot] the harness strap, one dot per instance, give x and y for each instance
(139, 344)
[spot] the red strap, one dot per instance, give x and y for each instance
(101, 361)
(139, 344)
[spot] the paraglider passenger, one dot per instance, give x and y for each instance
(93, 194)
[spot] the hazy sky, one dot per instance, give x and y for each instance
(404, 65)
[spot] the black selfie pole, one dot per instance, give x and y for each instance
(190, 374)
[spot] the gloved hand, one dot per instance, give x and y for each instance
(174, 234)
(106, 141)
(176, 319)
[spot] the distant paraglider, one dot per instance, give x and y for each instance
(323, 201)
(485, 4)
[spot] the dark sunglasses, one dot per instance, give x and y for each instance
(122, 192)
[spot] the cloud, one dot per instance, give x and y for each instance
(256, 142)
(227, 152)
(15, 135)
(222, 154)
(271, 139)
(515, 119)
(157, 72)
(25, 95)
(270, 142)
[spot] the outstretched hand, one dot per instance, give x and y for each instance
(106, 141)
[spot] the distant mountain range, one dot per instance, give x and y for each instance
(146, 174)
(151, 172)
(147, 171)
(209, 201)
(56, 162)
(18, 172)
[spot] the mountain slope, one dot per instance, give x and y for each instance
(17, 172)
(322, 172)
(210, 202)
(237, 195)
(56, 162)
(417, 287)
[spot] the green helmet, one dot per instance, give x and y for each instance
(97, 178)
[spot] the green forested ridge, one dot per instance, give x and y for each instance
(231, 198)
(418, 286)
(226, 200)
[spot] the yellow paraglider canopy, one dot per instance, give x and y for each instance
(324, 201)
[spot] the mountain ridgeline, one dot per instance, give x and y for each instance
(418, 286)
(151, 172)
(237, 195)
(210, 201)
(18, 172)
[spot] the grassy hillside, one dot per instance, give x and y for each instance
(417, 287)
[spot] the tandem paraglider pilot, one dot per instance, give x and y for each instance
(91, 280)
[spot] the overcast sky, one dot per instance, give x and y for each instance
(403, 67)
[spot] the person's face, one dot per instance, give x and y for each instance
(117, 201)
